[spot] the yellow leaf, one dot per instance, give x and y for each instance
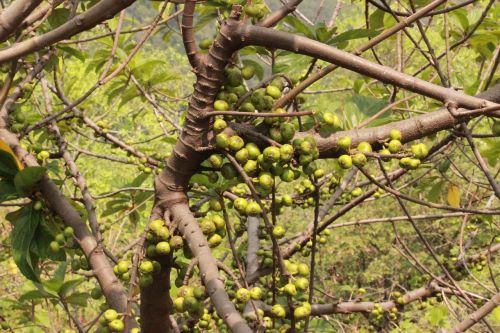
(5, 147)
(453, 196)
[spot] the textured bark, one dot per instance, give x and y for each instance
(276, 16)
(190, 150)
(477, 315)
(12, 16)
(254, 35)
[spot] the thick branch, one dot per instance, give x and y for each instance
(276, 16)
(12, 16)
(477, 315)
(188, 33)
(102, 11)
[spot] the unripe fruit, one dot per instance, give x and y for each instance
(256, 293)
(54, 247)
(191, 304)
(250, 167)
(356, 192)
(163, 248)
(271, 154)
(414, 163)
(69, 232)
(145, 281)
(215, 205)
(116, 325)
(286, 152)
(247, 107)
(37, 205)
(236, 143)
(287, 175)
(253, 209)
(207, 227)
(216, 161)
(303, 269)
(306, 147)
(221, 105)
(395, 134)
(123, 266)
(302, 283)
(359, 159)
(243, 295)
(420, 150)
(394, 146)
(240, 204)
(176, 242)
(110, 315)
(242, 155)
(345, 161)
(253, 150)
(278, 311)
(278, 232)
(219, 125)
(248, 72)
(228, 171)
(364, 147)
(331, 119)
(266, 180)
(205, 43)
(287, 131)
(214, 241)
(319, 173)
(344, 142)
(222, 141)
(96, 293)
(178, 304)
(290, 289)
(273, 91)
(287, 200)
(146, 267)
(301, 312)
(218, 221)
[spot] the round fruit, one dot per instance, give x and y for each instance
(273, 91)
(146, 267)
(178, 304)
(163, 248)
(216, 161)
(253, 150)
(242, 155)
(248, 72)
(110, 315)
(228, 171)
(243, 295)
(250, 167)
(301, 312)
(420, 150)
(356, 192)
(395, 134)
(359, 159)
(278, 311)
(271, 154)
(205, 43)
(116, 325)
(68, 232)
(266, 180)
(286, 152)
(176, 242)
(344, 142)
(240, 204)
(221, 105)
(287, 131)
(331, 119)
(54, 246)
(287, 175)
(219, 125)
(222, 141)
(256, 293)
(345, 161)
(123, 266)
(236, 143)
(302, 283)
(214, 241)
(253, 209)
(394, 146)
(290, 289)
(247, 107)
(278, 232)
(303, 269)
(215, 205)
(207, 227)
(364, 147)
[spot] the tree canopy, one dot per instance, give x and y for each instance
(249, 166)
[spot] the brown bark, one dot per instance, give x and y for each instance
(12, 16)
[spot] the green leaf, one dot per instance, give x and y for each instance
(299, 26)
(9, 165)
(323, 34)
(73, 52)
(57, 280)
(435, 192)
(26, 221)
(58, 17)
(354, 34)
(27, 178)
(7, 191)
(377, 19)
(35, 294)
(70, 285)
(437, 316)
(79, 299)
(495, 315)
(369, 105)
